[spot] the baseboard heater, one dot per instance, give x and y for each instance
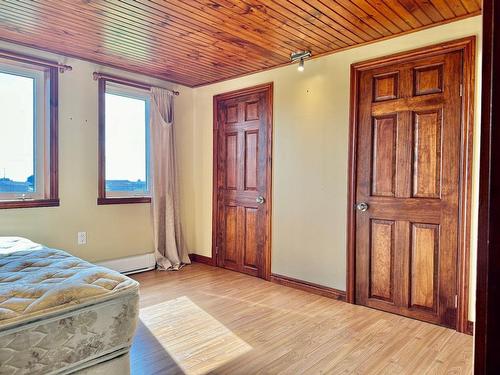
(130, 265)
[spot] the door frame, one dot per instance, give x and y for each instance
(487, 327)
(269, 88)
(468, 47)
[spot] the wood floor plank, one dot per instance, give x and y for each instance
(204, 319)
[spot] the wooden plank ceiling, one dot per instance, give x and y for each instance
(196, 42)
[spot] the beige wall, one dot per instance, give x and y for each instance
(311, 113)
(115, 230)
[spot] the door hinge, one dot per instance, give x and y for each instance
(461, 89)
(216, 250)
(456, 301)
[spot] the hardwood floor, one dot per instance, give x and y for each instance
(204, 319)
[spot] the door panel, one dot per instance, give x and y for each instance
(428, 79)
(427, 154)
(231, 253)
(382, 260)
(251, 148)
(385, 86)
(251, 247)
(384, 156)
(242, 183)
(408, 160)
(231, 160)
(252, 111)
(424, 255)
(231, 114)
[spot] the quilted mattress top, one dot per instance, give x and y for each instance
(37, 281)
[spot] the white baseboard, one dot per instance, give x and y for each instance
(130, 265)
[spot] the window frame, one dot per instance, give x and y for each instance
(103, 198)
(45, 127)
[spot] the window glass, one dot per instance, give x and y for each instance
(126, 143)
(28, 134)
(18, 135)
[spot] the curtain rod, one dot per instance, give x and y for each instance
(33, 60)
(129, 82)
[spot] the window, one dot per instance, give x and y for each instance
(28, 135)
(124, 144)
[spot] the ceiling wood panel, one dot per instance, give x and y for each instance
(135, 38)
(196, 42)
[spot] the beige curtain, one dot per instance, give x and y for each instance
(170, 250)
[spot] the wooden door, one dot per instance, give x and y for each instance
(242, 196)
(408, 187)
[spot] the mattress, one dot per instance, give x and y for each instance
(58, 313)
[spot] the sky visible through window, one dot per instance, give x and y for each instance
(16, 133)
(125, 143)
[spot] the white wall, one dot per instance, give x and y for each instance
(113, 230)
(311, 124)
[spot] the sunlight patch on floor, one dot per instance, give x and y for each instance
(193, 338)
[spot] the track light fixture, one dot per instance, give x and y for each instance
(300, 56)
(301, 65)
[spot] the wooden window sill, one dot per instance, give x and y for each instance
(124, 200)
(29, 203)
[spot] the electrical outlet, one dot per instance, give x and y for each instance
(82, 238)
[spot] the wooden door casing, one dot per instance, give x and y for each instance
(487, 327)
(410, 162)
(242, 173)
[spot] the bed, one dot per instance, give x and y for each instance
(60, 314)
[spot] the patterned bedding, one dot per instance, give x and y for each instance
(58, 313)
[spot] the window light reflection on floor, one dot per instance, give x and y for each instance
(193, 341)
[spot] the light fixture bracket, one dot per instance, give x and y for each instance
(299, 55)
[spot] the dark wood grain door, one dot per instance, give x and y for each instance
(407, 194)
(243, 180)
